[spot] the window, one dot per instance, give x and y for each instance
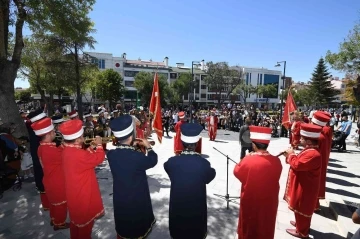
(101, 64)
(173, 76)
(129, 83)
(130, 73)
(274, 80)
(203, 87)
(203, 96)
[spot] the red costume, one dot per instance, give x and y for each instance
(303, 182)
(178, 146)
(82, 189)
(321, 119)
(212, 122)
(295, 133)
(260, 195)
(53, 179)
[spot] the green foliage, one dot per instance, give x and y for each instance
(23, 95)
(222, 79)
(267, 91)
(181, 85)
(320, 85)
(244, 90)
(110, 86)
(348, 57)
(144, 82)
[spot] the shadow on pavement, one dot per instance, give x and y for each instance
(317, 234)
(334, 160)
(341, 182)
(326, 212)
(335, 165)
(342, 192)
(220, 141)
(341, 173)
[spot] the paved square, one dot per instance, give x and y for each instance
(22, 217)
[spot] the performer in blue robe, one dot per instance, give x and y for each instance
(133, 211)
(189, 173)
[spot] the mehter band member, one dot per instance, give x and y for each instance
(260, 195)
(178, 146)
(54, 181)
(189, 173)
(212, 122)
(74, 115)
(321, 119)
(34, 145)
(82, 189)
(133, 211)
(302, 187)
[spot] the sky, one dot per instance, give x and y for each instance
(256, 33)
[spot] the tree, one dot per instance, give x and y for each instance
(267, 91)
(180, 87)
(348, 60)
(110, 86)
(304, 97)
(349, 94)
(23, 95)
(13, 15)
(144, 82)
(348, 57)
(244, 90)
(72, 32)
(221, 79)
(320, 84)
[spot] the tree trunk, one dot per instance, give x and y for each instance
(9, 112)
(59, 97)
(78, 85)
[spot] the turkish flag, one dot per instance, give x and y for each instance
(290, 106)
(155, 109)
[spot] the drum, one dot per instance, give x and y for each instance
(198, 146)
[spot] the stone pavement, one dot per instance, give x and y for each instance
(21, 215)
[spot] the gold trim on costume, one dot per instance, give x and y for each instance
(144, 236)
(101, 213)
(296, 211)
(50, 144)
(78, 146)
(58, 204)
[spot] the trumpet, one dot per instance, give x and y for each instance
(104, 140)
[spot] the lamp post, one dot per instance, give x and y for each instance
(192, 84)
(282, 91)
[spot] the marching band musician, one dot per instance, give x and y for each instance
(295, 130)
(133, 211)
(212, 122)
(74, 115)
(34, 145)
(50, 157)
(101, 124)
(178, 146)
(81, 186)
(260, 195)
(189, 173)
(89, 125)
(321, 119)
(302, 187)
(57, 120)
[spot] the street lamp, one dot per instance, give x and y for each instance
(282, 92)
(192, 83)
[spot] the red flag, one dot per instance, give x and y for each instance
(155, 109)
(290, 106)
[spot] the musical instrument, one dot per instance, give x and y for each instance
(282, 153)
(141, 148)
(105, 140)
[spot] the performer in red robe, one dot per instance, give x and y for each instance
(81, 186)
(321, 119)
(303, 181)
(212, 122)
(260, 195)
(295, 131)
(53, 180)
(178, 146)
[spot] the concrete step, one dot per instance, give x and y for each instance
(342, 212)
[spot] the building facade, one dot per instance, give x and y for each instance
(201, 93)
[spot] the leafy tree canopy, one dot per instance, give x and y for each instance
(110, 86)
(144, 82)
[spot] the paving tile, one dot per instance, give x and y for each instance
(21, 214)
